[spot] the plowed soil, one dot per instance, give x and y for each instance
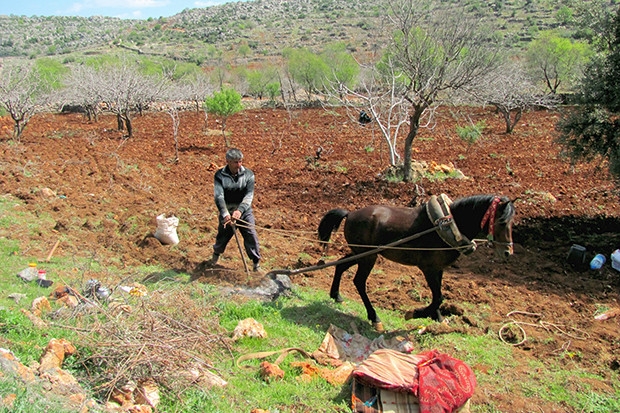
(106, 191)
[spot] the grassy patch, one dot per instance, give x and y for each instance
(178, 321)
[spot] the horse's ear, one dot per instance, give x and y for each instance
(506, 200)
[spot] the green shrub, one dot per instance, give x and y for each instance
(471, 133)
(224, 103)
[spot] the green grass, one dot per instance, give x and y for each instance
(29, 398)
(300, 320)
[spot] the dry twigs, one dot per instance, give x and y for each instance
(165, 338)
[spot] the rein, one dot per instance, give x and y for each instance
(353, 257)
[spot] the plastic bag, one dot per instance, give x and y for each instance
(166, 231)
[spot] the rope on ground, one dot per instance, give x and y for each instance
(549, 327)
(286, 233)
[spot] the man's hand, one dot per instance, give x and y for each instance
(231, 219)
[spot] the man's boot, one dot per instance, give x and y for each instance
(214, 259)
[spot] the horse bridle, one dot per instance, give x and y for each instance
(489, 218)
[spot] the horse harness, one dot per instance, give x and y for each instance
(438, 210)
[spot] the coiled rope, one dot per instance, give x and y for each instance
(549, 327)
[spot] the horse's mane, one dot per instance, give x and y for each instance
(483, 201)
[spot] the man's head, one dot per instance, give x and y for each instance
(234, 158)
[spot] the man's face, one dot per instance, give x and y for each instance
(234, 165)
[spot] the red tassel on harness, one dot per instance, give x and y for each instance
(489, 217)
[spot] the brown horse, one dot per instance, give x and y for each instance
(378, 225)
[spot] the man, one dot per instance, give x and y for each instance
(234, 191)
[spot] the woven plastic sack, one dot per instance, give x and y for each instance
(166, 231)
(430, 382)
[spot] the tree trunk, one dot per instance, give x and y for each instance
(516, 119)
(224, 133)
(510, 123)
(505, 112)
(414, 125)
(129, 127)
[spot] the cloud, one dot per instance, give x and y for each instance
(209, 3)
(117, 4)
(129, 4)
(75, 8)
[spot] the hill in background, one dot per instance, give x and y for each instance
(255, 30)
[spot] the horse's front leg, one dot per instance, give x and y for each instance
(433, 279)
(364, 267)
(334, 291)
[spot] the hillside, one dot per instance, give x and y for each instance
(252, 30)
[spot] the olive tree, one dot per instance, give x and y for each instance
(341, 67)
(557, 61)
(307, 69)
(259, 81)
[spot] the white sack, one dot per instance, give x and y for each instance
(166, 231)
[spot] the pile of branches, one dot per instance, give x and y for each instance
(161, 336)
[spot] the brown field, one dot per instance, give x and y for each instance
(108, 191)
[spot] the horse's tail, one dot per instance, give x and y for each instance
(330, 223)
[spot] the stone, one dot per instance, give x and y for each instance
(270, 372)
(55, 353)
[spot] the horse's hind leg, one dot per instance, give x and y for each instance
(433, 279)
(364, 267)
(334, 291)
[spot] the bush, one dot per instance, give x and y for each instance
(471, 133)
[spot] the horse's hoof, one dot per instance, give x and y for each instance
(338, 298)
(378, 327)
(423, 313)
(438, 317)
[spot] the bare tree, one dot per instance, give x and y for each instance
(512, 91)
(175, 94)
(23, 93)
(198, 88)
(125, 90)
(83, 87)
(387, 110)
(434, 51)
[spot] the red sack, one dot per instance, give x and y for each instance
(440, 383)
(445, 383)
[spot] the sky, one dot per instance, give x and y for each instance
(125, 9)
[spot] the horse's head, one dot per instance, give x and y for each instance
(498, 219)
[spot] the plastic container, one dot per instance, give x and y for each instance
(577, 255)
(615, 260)
(30, 273)
(597, 262)
(42, 274)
